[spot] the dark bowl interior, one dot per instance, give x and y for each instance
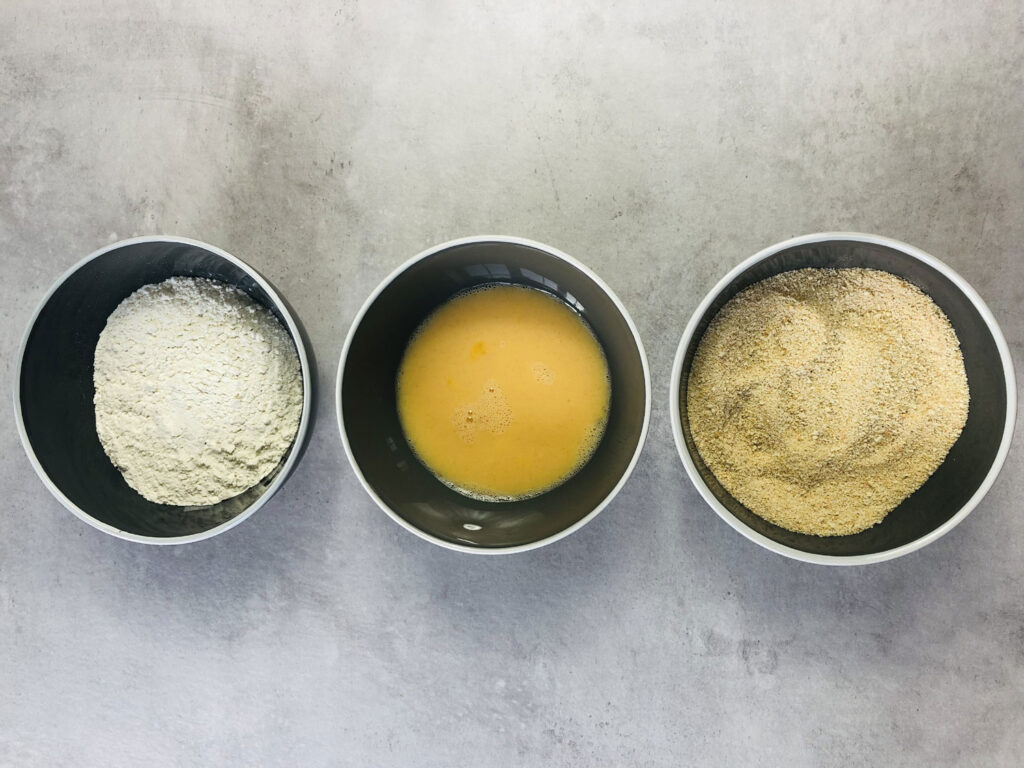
(371, 419)
(971, 457)
(56, 389)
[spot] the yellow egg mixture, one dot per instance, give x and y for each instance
(503, 392)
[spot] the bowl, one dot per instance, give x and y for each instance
(367, 413)
(53, 392)
(971, 466)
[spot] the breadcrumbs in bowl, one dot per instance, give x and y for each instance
(821, 398)
(823, 407)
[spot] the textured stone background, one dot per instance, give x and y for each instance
(661, 142)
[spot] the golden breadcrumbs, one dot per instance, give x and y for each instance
(821, 398)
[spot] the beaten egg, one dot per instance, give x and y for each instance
(503, 392)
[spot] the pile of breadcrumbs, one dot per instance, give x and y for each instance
(821, 398)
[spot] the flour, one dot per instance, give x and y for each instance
(198, 391)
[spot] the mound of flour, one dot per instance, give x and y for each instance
(198, 391)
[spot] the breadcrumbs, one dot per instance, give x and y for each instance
(821, 398)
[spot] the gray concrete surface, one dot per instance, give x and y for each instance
(661, 142)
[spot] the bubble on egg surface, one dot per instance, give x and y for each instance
(542, 373)
(490, 412)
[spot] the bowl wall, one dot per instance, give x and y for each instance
(55, 389)
(967, 466)
(369, 417)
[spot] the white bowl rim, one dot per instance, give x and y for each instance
(875, 557)
(551, 251)
(300, 435)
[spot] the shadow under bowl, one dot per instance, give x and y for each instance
(972, 464)
(53, 396)
(368, 415)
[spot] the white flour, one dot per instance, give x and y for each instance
(198, 391)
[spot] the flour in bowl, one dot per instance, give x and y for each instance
(198, 391)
